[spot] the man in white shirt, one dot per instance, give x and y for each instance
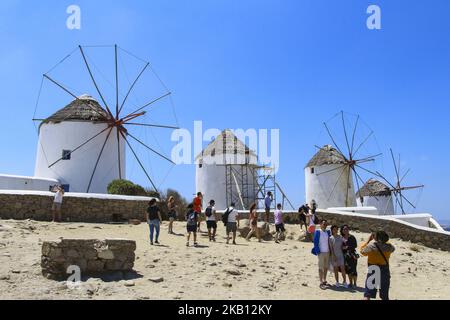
(57, 203)
(232, 222)
(322, 250)
(211, 222)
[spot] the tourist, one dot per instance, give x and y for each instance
(191, 220)
(337, 256)
(57, 203)
(313, 206)
(267, 205)
(378, 253)
(322, 250)
(172, 212)
(303, 211)
(153, 217)
(350, 255)
(231, 217)
(198, 208)
(312, 221)
(279, 224)
(211, 221)
(253, 223)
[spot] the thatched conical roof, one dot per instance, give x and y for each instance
(374, 188)
(226, 143)
(85, 108)
(325, 156)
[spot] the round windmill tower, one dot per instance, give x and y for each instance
(227, 172)
(61, 154)
(376, 194)
(328, 180)
(84, 144)
(331, 173)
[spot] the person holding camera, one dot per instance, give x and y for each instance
(378, 250)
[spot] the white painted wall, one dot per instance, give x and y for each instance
(319, 187)
(384, 204)
(211, 179)
(68, 135)
(78, 195)
(420, 219)
(9, 182)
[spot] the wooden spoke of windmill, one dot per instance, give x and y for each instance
(115, 120)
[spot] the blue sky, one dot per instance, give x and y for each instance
(256, 64)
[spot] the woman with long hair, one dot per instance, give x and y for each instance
(350, 255)
(253, 223)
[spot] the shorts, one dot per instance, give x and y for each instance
(172, 215)
(280, 227)
(191, 228)
(211, 224)
(324, 260)
(56, 206)
(231, 227)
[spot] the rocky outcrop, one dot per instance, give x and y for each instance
(92, 257)
(263, 228)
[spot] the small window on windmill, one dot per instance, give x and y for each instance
(66, 154)
(200, 164)
(312, 171)
(213, 153)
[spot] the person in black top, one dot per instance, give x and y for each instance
(303, 211)
(153, 217)
(350, 256)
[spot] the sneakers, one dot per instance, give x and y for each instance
(151, 243)
(337, 284)
(157, 242)
(345, 285)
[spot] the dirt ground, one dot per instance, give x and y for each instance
(249, 270)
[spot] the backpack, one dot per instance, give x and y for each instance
(191, 218)
(208, 212)
(225, 216)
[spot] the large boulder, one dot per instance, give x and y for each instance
(263, 228)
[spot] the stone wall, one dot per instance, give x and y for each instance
(75, 208)
(93, 257)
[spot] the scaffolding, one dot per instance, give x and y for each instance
(247, 184)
